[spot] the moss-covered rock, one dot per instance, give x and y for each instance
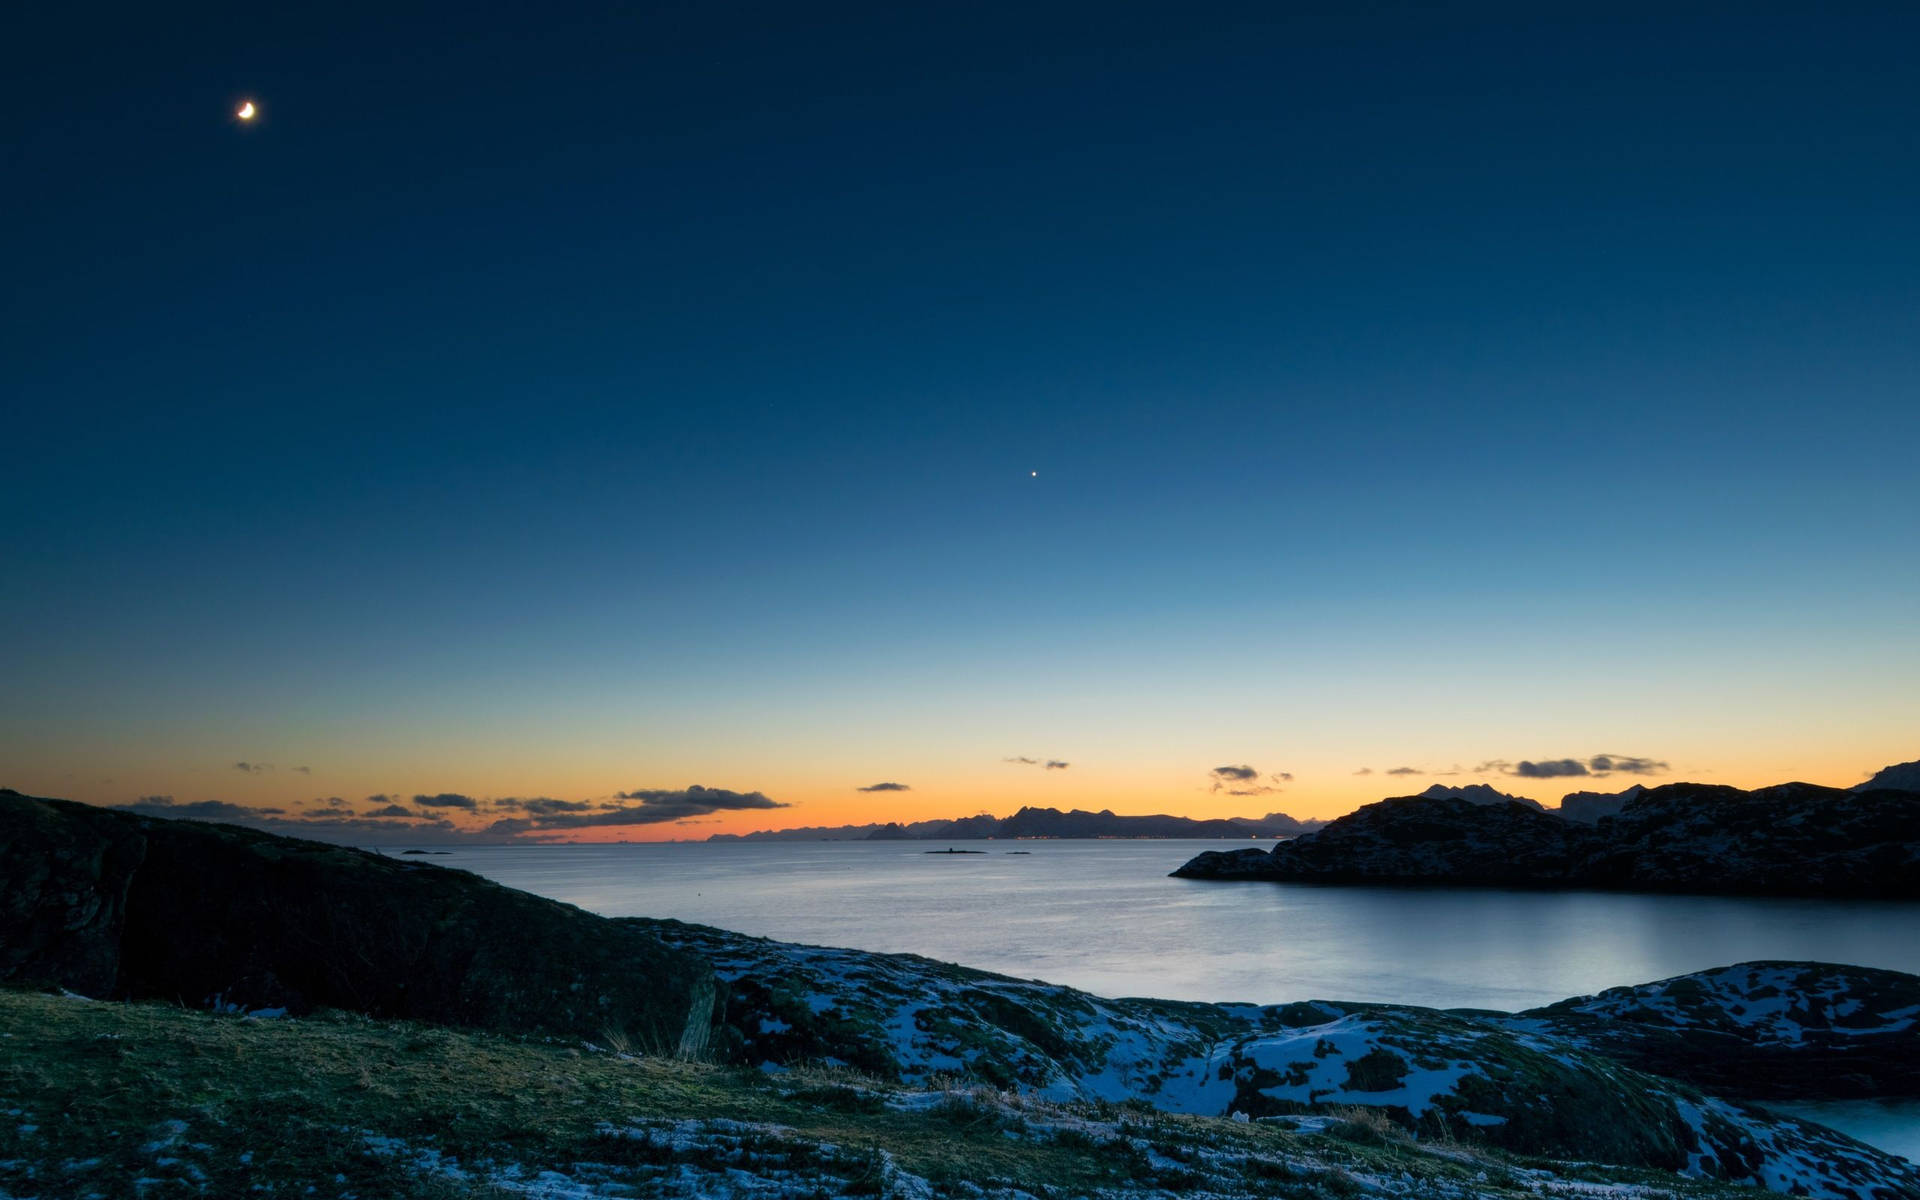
(1481, 1079)
(1763, 1030)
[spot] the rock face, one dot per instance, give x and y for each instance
(1760, 1030)
(109, 903)
(1794, 839)
(1414, 839)
(1488, 1078)
(64, 873)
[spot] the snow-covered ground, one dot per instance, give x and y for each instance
(1512, 1084)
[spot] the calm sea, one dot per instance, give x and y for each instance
(1103, 916)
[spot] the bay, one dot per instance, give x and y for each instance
(1103, 916)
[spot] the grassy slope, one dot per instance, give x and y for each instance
(147, 1100)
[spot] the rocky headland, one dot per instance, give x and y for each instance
(1795, 839)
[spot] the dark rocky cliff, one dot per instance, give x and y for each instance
(64, 871)
(1794, 839)
(112, 904)
(1415, 839)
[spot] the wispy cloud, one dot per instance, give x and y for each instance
(1626, 764)
(885, 787)
(304, 770)
(656, 806)
(197, 810)
(1051, 764)
(1364, 771)
(543, 805)
(383, 819)
(1600, 765)
(328, 820)
(252, 768)
(447, 800)
(1556, 768)
(1403, 770)
(1244, 780)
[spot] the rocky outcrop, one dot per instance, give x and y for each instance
(112, 904)
(1415, 839)
(1485, 1078)
(1759, 1030)
(1794, 839)
(1791, 839)
(64, 871)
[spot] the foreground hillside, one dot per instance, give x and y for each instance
(113, 904)
(1796, 839)
(122, 1100)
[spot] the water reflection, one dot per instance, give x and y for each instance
(1103, 916)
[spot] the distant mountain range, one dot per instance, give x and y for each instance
(1478, 793)
(1038, 823)
(1591, 806)
(1587, 807)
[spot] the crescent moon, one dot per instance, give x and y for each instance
(246, 111)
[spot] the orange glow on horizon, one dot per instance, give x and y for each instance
(829, 795)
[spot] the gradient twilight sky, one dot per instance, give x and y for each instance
(536, 405)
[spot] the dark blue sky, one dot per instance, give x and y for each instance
(647, 392)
